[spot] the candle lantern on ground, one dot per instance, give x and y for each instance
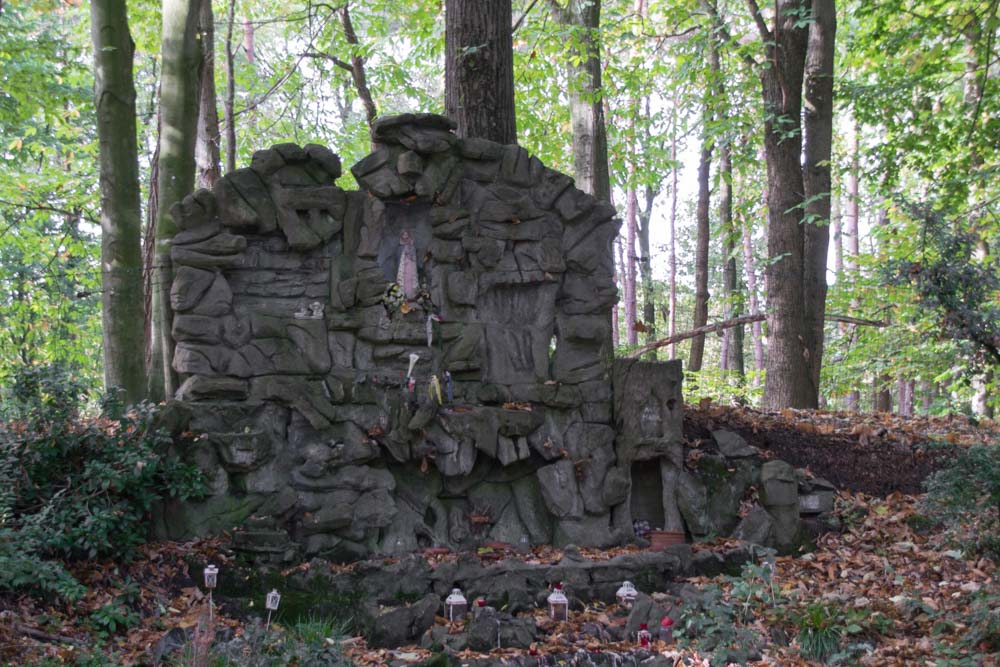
(455, 605)
(644, 636)
(211, 581)
(626, 594)
(558, 603)
(272, 602)
(667, 629)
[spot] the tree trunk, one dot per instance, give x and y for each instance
(178, 130)
(479, 69)
(793, 358)
(750, 270)
(672, 319)
(646, 266)
(850, 232)
(631, 206)
(586, 108)
(616, 320)
(701, 296)
(818, 127)
(207, 147)
(121, 212)
(882, 394)
(229, 101)
(837, 235)
(733, 338)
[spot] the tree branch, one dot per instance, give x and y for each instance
(518, 22)
(49, 209)
(722, 29)
(758, 19)
(334, 59)
(735, 322)
(270, 91)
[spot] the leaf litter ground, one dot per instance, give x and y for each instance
(917, 592)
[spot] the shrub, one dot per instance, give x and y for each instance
(74, 487)
(965, 496)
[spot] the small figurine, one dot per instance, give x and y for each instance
(449, 390)
(314, 311)
(414, 358)
(434, 389)
(644, 636)
(411, 385)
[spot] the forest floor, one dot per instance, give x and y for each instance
(888, 587)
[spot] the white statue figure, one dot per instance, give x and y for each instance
(406, 275)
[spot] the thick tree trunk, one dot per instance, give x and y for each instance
(586, 108)
(733, 338)
(179, 96)
(790, 376)
(121, 212)
(479, 69)
(882, 394)
(229, 101)
(207, 147)
(701, 295)
(818, 127)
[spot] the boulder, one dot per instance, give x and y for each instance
(404, 625)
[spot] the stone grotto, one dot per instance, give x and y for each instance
(428, 362)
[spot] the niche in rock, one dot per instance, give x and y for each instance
(646, 501)
(405, 242)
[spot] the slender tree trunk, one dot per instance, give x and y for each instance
(207, 147)
(248, 46)
(479, 69)
(179, 96)
(631, 206)
(818, 127)
(672, 319)
(229, 101)
(837, 235)
(646, 266)
(926, 397)
(616, 319)
(750, 271)
(733, 338)
(973, 94)
(121, 212)
(586, 107)
(701, 295)
(850, 233)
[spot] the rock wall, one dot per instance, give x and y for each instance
(424, 362)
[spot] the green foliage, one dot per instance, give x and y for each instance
(314, 642)
(78, 487)
(724, 387)
(819, 632)
(710, 627)
(965, 496)
(113, 618)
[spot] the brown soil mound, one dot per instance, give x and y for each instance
(874, 454)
